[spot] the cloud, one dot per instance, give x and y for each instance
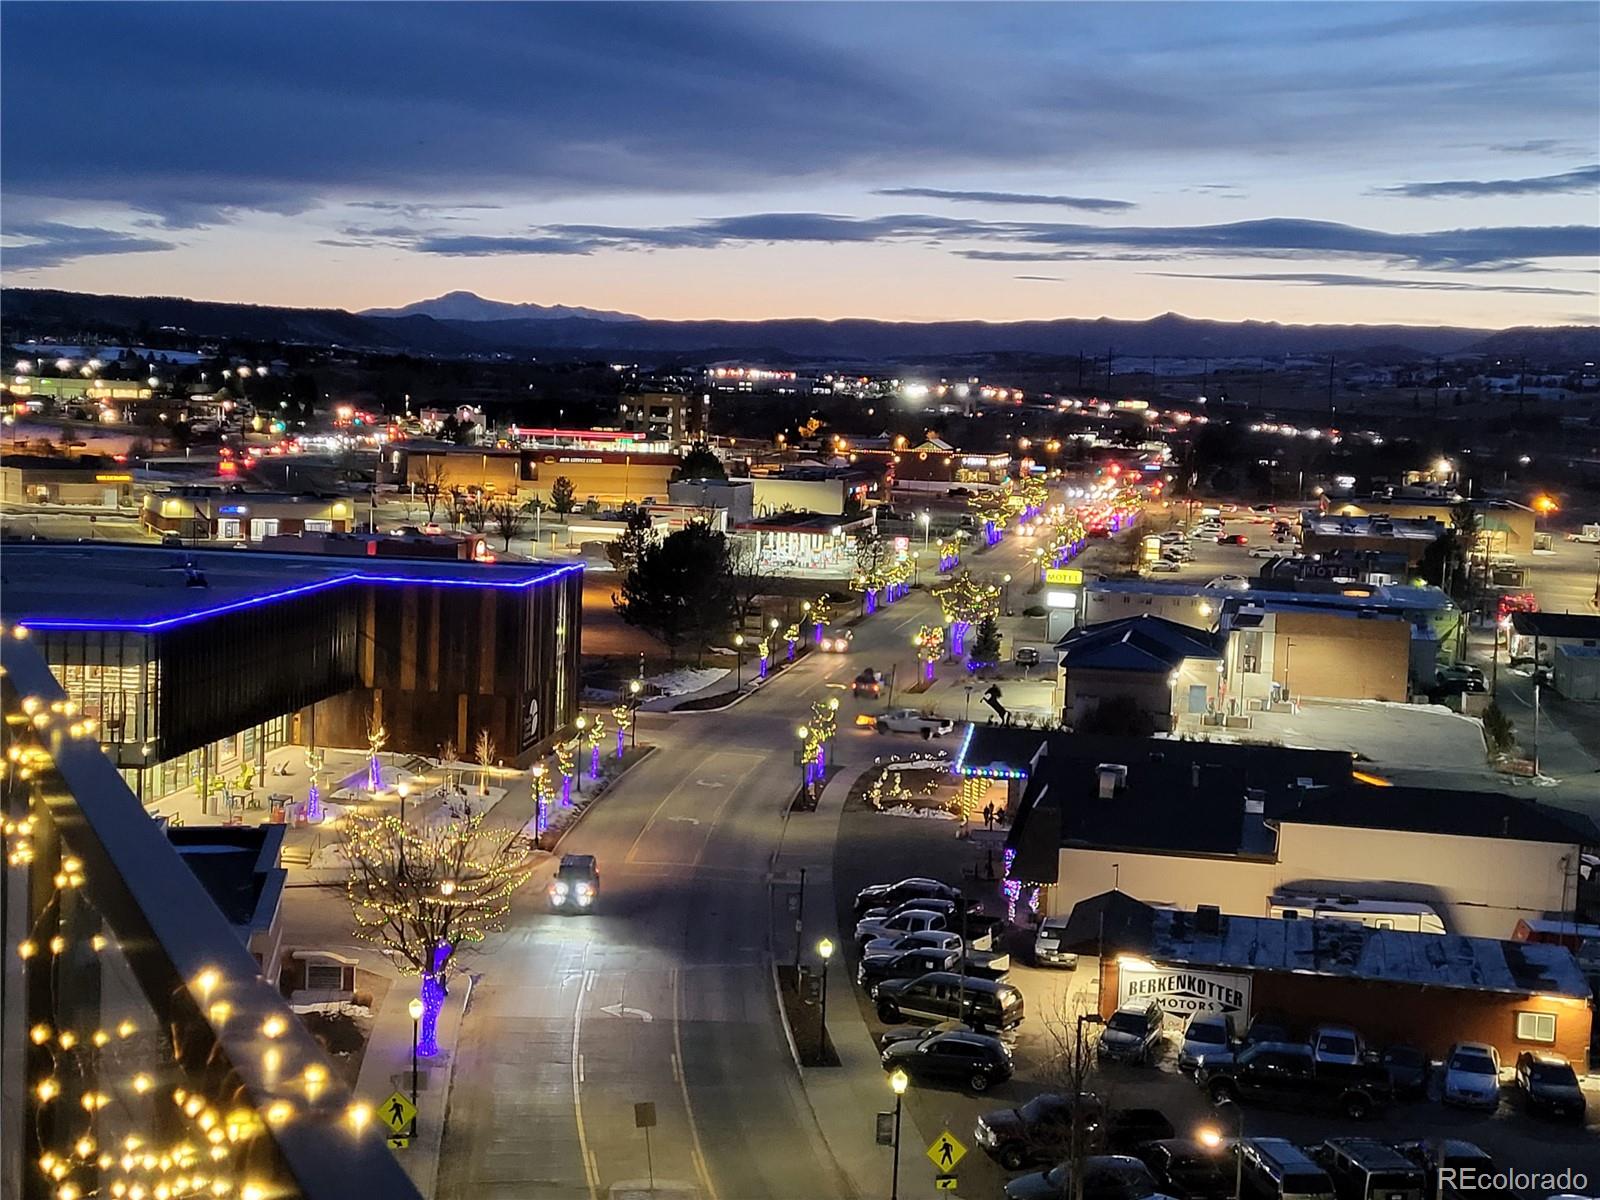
(1038, 241)
(50, 243)
(1320, 279)
(1041, 278)
(1532, 146)
(1086, 203)
(1583, 179)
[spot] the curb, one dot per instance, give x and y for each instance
(449, 1085)
(783, 1015)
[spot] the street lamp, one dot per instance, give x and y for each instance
(1212, 1138)
(402, 789)
(738, 661)
(415, 1009)
(635, 686)
(803, 732)
(898, 1082)
(825, 951)
(580, 724)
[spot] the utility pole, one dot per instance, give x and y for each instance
(1109, 356)
(1331, 361)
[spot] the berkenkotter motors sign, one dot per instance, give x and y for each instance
(1182, 992)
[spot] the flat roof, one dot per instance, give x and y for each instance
(144, 589)
(1555, 625)
(1446, 811)
(1402, 528)
(1349, 950)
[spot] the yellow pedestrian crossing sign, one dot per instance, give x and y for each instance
(397, 1112)
(946, 1151)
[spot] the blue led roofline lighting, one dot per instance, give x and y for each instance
(958, 765)
(155, 626)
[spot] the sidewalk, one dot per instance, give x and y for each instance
(843, 1099)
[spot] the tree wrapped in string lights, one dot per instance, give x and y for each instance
(821, 611)
(594, 735)
(815, 736)
(377, 739)
(872, 561)
(541, 802)
(313, 810)
(993, 511)
(897, 580)
(949, 555)
(929, 641)
(622, 714)
(791, 635)
(425, 894)
(965, 602)
(566, 752)
(1031, 495)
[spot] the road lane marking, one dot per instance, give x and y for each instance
(677, 1075)
(696, 1152)
(590, 1175)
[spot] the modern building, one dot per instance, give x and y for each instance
(1418, 989)
(830, 491)
(1280, 651)
(736, 498)
(193, 663)
(238, 865)
(1172, 672)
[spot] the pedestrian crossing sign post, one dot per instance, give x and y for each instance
(397, 1112)
(946, 1151)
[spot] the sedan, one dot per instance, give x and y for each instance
(1408, 1070)
(1232, 539)
(1165, 566)
(1472, 1076)
(972, 1060)
(928, 939)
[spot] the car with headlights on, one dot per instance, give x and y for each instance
(576, 885)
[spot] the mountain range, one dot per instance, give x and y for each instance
(437, 328)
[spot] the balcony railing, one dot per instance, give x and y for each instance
(141, 1055)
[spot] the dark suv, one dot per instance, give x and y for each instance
(943, 995)
(969, 1060)
(1547, 1084)
(1039, 1132)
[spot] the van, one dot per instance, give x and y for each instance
(1366, 1169)
(1277, 1169)
(984, 1004)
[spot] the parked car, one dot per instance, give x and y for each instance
(1463, 671)
(937, 939)
(577, 884)
(909, 720)
(1231, 583)
(836, 641)
(1464, 1160)
(1208, 1036)
(970, 1060)
(1269, 1026)
(1266, 551)
(1190, 1169)
(1337, 1044)
(911, 920)
(919, 1033)
(1548, 1084)
(873, 969)
(1126, 1129)
(868, 683)
(1048, 945)
(1164, 566)
(1367, 1169)
(892, 895)
(1232, 539)
(1038, 1132)
(1277, 1169)
(950, 908)
(1287, 1075)
(1132, 1034)
(1026, 656)
(1472, 1076)
(1409, 1070)
(983, 1004)
(1105, 1177)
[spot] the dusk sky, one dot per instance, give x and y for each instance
(1427, 163)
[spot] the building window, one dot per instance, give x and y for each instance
(1536, 1027)
(315, 526)
(1250, 652)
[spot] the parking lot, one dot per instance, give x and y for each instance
(876, 849)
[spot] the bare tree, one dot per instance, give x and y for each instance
(509, 520)
(1071, 1038)
(483, 751)
(475, 512)
(748, 579)
(431, 487)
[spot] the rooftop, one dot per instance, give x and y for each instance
(147, 588)
(1406, 528)
(238, 867)
(1555, 625)
(1445, 811)
(1349, 950)
(1142, 643)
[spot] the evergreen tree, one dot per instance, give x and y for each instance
(986, 644)
(680, 591)
(624, 551)
(700, 463)
(563, 496)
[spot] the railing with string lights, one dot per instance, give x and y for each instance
(142, 1057)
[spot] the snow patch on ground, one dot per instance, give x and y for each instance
(687, 680)
(919, 814)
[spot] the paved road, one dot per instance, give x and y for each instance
(664, 994)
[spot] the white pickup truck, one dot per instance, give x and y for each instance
(1589, 533)
(909, 720)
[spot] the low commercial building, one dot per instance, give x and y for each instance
(1183, 824)
(421, 467)
(830, 491)
(1410, 538)
(1188, 603)
(1419, 989)
(1539, 635)
(86, 481)
(1281, 651)
(1505, 527)
(1171, 672)
(194, 663)
(804, 541)
(736, 498)
(672, 417)
(608, 477)
(196, 513)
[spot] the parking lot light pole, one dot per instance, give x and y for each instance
(635, 686)
(825, 952)
(415, 1009)
(738, 661)
(1211, 1137)
(898, 1082)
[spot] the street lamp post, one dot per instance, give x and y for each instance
(415, 1009)
(825, 951)
(804, 732)
(898, 1082)
(402, 789)
(635, 686)
(581, 723)
(738, 661)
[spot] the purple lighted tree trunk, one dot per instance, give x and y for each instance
(433, 994)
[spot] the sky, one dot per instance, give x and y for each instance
(1430, 163)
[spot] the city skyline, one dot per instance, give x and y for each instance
(1307, 164)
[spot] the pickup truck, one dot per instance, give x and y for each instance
(1589, 533)
(980, 929)
(1287, 1075)
(891, 895)
(873, 969)
(909, 720)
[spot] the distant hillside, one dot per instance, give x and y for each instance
(468, 306)
(69, 314)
